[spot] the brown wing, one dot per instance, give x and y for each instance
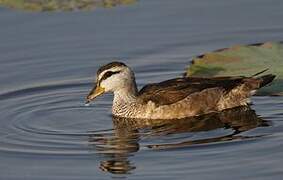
(171, 91)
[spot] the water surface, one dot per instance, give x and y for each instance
(48, 62)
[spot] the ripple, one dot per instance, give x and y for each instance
(51, 119)
(48, 119)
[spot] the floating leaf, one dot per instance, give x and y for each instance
(62, 5)
(243, 60)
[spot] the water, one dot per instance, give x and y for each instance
(48, 62)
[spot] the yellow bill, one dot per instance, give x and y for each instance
(96, 91)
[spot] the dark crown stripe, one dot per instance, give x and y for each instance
(107, 75)
(109, 66)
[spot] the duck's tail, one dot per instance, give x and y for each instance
(240, 95)
(265, 80)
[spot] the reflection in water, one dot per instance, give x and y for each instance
(118, 146)
(62, 5)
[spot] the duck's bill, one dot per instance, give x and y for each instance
(96, 91)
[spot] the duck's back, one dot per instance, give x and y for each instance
(183, 97)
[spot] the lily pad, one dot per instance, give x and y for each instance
(62, 5)
(243, 60)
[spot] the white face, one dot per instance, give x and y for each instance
(115, 78)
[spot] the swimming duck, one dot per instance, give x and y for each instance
(175, 98)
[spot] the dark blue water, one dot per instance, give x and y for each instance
(48, 62)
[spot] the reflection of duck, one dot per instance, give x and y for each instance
(117, 148)
(175, 98)
(129, 133)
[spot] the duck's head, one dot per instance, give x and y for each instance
(111, 77)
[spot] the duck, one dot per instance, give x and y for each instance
(174, 98)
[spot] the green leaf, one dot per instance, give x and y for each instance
(62, 5)
(243, 60)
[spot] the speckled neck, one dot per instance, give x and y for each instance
(125, 100)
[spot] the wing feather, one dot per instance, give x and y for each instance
(174, 90)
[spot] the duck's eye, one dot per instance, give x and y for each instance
(108, 74)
